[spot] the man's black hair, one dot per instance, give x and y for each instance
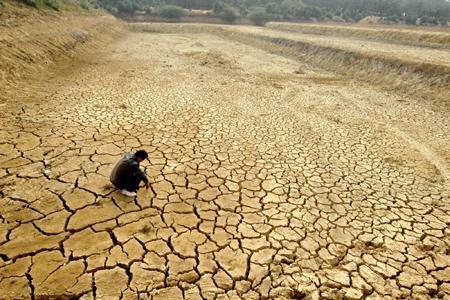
(141, 154)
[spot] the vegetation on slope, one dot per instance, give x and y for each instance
(171, 12)
(55, 4)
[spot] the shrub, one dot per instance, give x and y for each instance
(393, 19)
(228, 14)
(84, 4)
(259, 17)
(275, 17)
(410, 20)
(338, 19)
(291, 9)
(52, 4)
(125, 6)
(29, 2)
(218, 7)
(171, 12)
(310, 12)
(443, 21)
(428, 20)
(149, 11)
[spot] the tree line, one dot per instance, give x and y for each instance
(413, 12)
(433, 12)
(407, 11)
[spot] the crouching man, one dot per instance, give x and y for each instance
(127, 175)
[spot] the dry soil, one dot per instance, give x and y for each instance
(270, 178)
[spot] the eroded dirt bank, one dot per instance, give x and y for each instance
(270, 179)
(418, 71)
(33, 41)
(408, 35)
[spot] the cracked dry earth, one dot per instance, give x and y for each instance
(266, 182)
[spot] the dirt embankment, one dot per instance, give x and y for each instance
(413, 70)
(435, 37)
(31, 41)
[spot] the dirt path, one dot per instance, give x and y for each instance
(266, 183)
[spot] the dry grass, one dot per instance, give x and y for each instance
(173, 28)
(185, 19)
(425, 80)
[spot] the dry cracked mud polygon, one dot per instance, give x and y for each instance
(265, 183)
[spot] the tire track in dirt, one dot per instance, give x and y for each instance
(427, 153)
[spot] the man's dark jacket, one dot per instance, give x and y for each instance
(126, 171)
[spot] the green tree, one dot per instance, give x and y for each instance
(349, 10)
(171, 12)
(428, 20)
(312, 12)
(217, 7)
(54, 4)
(84, 4)
(258, 16)
(410, 20)
(228, 14)
(291, 9)
(125, 6)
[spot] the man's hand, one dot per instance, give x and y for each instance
(147, 185)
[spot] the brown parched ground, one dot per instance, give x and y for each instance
(271, 179)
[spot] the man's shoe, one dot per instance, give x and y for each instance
(128, 193)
